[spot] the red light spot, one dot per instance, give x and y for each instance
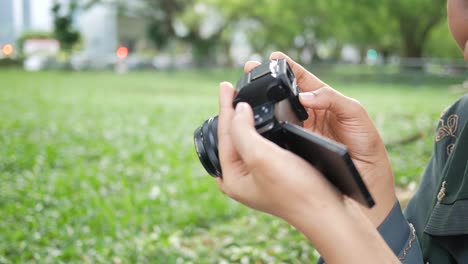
(8, 49)
(122, 52)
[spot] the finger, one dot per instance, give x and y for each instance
(327, 98)
(306, 80)
(249, 144)
(226, 112)
(250, 65)
(263, 158)
(243, 129)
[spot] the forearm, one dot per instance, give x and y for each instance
(345, 235)
(400, 236)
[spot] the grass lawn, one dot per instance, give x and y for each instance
(101, 168)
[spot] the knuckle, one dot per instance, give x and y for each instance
(325, 91)
(329, 91)
(355, 105)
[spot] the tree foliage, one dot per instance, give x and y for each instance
(161, 15)
(397, 26)
(416, 20)
(441, 44)
(64, 31)
(401, 25)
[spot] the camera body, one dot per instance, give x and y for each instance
(272, 92)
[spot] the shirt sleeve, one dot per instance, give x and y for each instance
(400, 236)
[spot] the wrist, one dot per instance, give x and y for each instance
(346, 227)
(380, 182)
(384, 202)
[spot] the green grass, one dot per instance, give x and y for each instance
(101, 168)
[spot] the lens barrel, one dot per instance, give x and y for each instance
(206, 146)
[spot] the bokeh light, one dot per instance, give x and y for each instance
(8, 49)
(372, 55)
(122, 52)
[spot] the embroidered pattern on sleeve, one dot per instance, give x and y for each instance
(410, 243)
(448, 130)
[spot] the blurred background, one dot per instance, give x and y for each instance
(99, 100)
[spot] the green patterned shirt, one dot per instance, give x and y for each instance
(439, 208)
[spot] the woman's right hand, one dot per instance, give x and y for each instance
(257, 173)
(343, 119)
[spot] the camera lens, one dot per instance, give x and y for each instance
(206, 145)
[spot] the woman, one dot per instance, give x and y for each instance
(436, 223)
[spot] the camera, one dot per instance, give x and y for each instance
(272, 92)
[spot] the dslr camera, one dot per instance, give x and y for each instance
(272, 92)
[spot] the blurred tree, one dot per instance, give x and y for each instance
(161, 15)
(300, 25)
(386, 25)
(416, 20)
(202, 28)
(64, 31)
(208, 26)
(441, 43)
(193, 22)
(274, 24)
(366, 24)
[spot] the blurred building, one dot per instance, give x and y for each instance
(7, 33)
(98, 27)
(18, 16)
(101, 27)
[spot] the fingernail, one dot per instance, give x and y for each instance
(307, 96)
(240, 107)
(225, 84)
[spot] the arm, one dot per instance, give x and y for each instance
(353, 240)
(344, 119)
(260, 177)
(400, 236)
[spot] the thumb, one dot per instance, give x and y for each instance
(327, 98)
(246, 140)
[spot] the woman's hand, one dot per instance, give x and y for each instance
(263, 176)
(260, 174)
(345, 120)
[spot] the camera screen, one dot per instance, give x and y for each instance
(331, 159)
